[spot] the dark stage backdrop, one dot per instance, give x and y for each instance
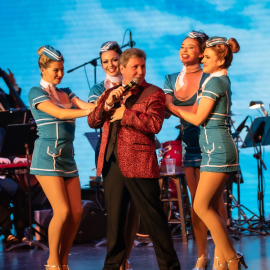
(78, 27)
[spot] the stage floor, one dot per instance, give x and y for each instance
(88, 257)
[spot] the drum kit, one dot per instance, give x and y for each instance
(171, 149)
(174, 150)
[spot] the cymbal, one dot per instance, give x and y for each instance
(178, 127)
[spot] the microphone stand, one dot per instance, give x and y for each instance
(261, 224)
(93, 62)
(238, 226)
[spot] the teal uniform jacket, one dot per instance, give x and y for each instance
(190, 133)
(53, 153)
(95, 92)
(219, 152)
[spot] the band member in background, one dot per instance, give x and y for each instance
(219, 153)
(10, 191)
(53, 163)
(110, 53)
(181, 89)
(128, 162)
(6, 100)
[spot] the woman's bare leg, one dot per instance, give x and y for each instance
(199, 228)
(73, 191)
(210, 188)
(54, 189)
(220, 208)
(132, 226)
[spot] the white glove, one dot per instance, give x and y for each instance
(19, 160)
(4, 160)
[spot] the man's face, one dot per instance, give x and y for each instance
(135, 68)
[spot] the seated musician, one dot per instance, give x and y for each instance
(6, 100)
(11, 192)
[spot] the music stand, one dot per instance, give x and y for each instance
(19, 140)
(157, 143)
(93, 138)
(258, 136)
(15, 116)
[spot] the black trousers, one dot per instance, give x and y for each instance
(11, 192)
(145, 194)
(5, 212)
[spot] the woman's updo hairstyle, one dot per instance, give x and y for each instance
(200, 37)
(110, 46)
(44, 61)
(224, 49)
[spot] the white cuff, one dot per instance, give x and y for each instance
(107, 107)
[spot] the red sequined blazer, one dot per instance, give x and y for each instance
(136, 134)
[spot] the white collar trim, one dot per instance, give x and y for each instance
(45, 84)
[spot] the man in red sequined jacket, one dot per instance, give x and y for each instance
(128, 162)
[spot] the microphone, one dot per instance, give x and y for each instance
(242, 125)
(127, 87)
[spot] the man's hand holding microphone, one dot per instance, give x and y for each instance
(116, 95)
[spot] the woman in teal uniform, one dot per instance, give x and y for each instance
(219, 153)
(109, 54)
(54, 110)
(181, 89)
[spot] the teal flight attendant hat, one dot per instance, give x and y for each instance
(52, 53)
(107, 45)
(212, 41)
(196, 34)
